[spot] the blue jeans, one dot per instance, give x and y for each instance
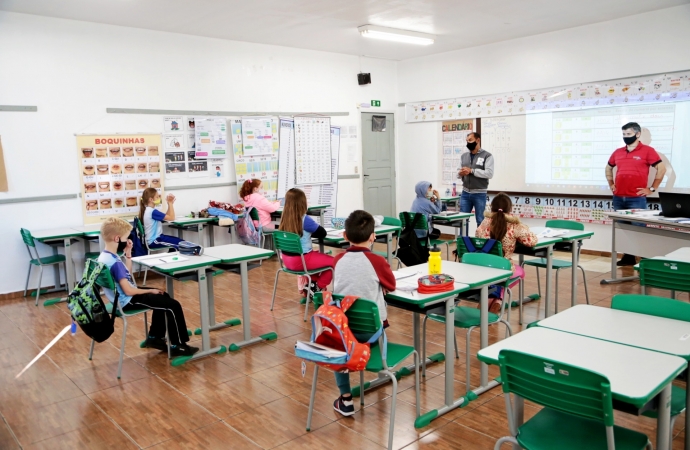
(342, 380)
(629, 202)
(478, 201)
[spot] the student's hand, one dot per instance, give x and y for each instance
(436, 194)
(170, 198)
(154, 291)
(128, 248)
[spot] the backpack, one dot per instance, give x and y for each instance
(137, 237)
(190, 248)
(87, 307)
(410, 251)
(330, 331)
(246, 229)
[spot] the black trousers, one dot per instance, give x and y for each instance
(162, 304)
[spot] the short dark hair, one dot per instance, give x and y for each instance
(634, 125)
(358, 226)
(476, 135)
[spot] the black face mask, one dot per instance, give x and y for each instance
(121, 246)
(629, 140)
(471, 146)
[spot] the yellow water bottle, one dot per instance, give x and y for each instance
(434, 261)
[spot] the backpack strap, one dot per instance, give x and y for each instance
(469, 244)
(488, 245)
(375, 337)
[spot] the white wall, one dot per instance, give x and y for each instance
(654, 42)
(74, 70)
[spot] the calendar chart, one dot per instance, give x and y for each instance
(312, 150)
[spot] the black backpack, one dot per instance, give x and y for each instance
(87, 307)
(411, 251)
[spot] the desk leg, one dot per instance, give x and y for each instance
(549, 270)
(663, 426)
(575, 261)
(246, 327)
(687, 408)
(69, 274)
(614, 254)
(389, 252)
(211, 235)
(321, 216)
(180, 233)
(204, 301)
(212, 314)
(233, 234)
(483, 332)
(169, 286)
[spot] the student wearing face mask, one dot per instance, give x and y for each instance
(476, 171)
(428, 202)
(632, 163)
(153, 218)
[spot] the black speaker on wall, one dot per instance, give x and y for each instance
(363, 78)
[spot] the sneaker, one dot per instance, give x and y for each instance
(183, 350)
(313, 287)
(346, 407)
(627, 260)
(157, 343)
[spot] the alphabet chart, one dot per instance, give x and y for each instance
(312, 150)
(286, 161)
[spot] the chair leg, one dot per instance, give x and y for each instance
(509, 305)
(391, 427)
(643, 289)
(93, 343)
(275, 286)
(28, 275)
(584, 281)
(673, 295)
(538, 283)
(455, 341)
(122, 347)
(558, 271)
(503, 440)
(424, 346)
(146, 272)
(361, 388)
(38, 290)
(509, 330)
(468, 386)
(309, 295)
(416, 383)
(520, 301)
(312, 396)
(167, 337)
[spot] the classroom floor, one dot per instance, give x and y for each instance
(253, 398)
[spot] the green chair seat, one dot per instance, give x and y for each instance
(555, 263)
(677, 403)
(550, 429)
(465, 317)
(46, 260)
(302, 272)
(396, 354)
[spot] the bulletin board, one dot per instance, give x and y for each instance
(453, 145)
(114, 171)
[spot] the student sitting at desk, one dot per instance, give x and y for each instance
(500, 225)
(364, 274)
(152, 219)
(428, 202)
(115, 233)
(249, 192)
(295, 220)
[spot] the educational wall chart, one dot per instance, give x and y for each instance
(286, 160)
(454, 144)
(179, 145)
(211, 137)
(312, 150)
(114, 171)
(257, 136)
(263, 167)
(647, 89)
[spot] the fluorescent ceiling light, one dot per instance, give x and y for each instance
(392, 34)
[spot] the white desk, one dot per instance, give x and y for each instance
(636, 375)
(234, 254)
(194, 267)
(457, 220)
(638, 330)
(682, 254)
(656, 237)
(335, 239)
(199, 224)
(466, 277)
(312, 210)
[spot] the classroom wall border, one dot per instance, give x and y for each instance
(190, 112)
(45, 198)
(17, 108)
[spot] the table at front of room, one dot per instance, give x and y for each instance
(231, 257)
(456, 220)
(636, 375)
(657, 237)
(652, 333)
(335, 239)
(196, 268)
(543, 245)
(313, 210)
(466, 277)
(55, 238)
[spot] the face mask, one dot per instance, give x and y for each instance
(121, 246)
(157, 201)
(471, 146)
(629, 140)
(429, 194)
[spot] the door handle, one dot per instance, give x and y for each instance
(365, 175)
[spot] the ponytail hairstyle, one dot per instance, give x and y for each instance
(248, 187)
(149, 193)
(292, 219)
(500, 206)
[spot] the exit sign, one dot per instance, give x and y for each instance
(376, 103)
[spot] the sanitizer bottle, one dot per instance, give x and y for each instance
(434, 261)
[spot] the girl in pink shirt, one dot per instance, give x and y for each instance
(249, 192)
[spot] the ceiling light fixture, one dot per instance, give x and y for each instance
(392, 34)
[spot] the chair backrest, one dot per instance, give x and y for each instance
(557, 385)
(567, 224)
(27, 238)
(478, 243)
(285, 241)
(392, 221)
(665, 274)
(486, 260)
(654, 306)
(406, 218)
(363, 316)
(254, 214)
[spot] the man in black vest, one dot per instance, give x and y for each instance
(476, 171)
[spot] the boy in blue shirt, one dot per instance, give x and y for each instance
(115, 233)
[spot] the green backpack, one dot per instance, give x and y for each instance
(87, 307)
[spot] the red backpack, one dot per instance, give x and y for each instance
(330, 329)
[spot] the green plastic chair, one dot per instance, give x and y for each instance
(393, 222)
(140, 228)
(578, 409)
(665, 274)
(41, 261)
(659, 307)
(290, 242)
(105, 280)
(559, 264)
(364, 320)
(407, 218)
(467, 317)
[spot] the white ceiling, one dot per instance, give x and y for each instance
(331, 25)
